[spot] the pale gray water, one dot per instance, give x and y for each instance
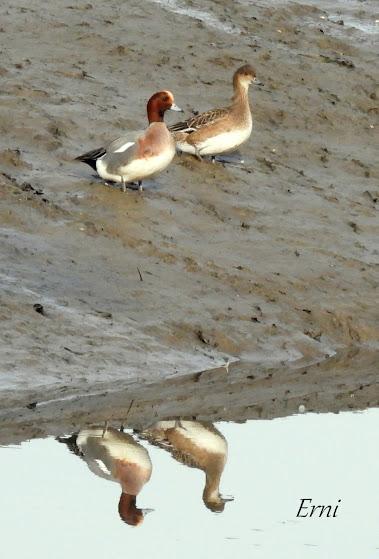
(53, 506)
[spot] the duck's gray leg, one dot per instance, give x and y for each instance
(197, 154)
(140, 187)
(105, 428)
(227, 363)
(123, 184)
(178, 423)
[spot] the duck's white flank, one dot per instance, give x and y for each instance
(118, 449)
(85, 434)
(134, 453)
(137, 168)
(199, 435)
(226, 141)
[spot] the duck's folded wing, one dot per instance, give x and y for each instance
(98, 468)
(120, 155)
(185, 458)
(122, 143)
(197, 122)
(159, 440)
(119, 145)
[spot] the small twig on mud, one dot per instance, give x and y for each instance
(139, 273)
(73, 351)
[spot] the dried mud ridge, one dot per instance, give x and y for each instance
(273, 263)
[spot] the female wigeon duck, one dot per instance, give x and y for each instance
(219, 130)
(115, 456)
(198, 445)
(133, 158)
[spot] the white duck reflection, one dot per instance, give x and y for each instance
(115, 456)
(197, 445)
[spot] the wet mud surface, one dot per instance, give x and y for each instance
(345, 382)
(273, 263)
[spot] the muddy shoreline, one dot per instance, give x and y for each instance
(239, 394)
(273, 264)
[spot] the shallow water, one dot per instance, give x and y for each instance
(62, 509)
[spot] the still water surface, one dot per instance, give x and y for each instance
(53, 505)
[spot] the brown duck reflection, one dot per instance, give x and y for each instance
(115, 456)
(197, 445)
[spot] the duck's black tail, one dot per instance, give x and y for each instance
(71, 443)
(91, 157)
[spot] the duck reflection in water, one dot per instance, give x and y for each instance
(197, 445)
(115, 456)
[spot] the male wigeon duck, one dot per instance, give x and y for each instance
(198, 445)
(133, 158)
(219, 131)
(115, 456)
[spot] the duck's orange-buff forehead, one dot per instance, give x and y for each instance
(168, 97)
(165, 97)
